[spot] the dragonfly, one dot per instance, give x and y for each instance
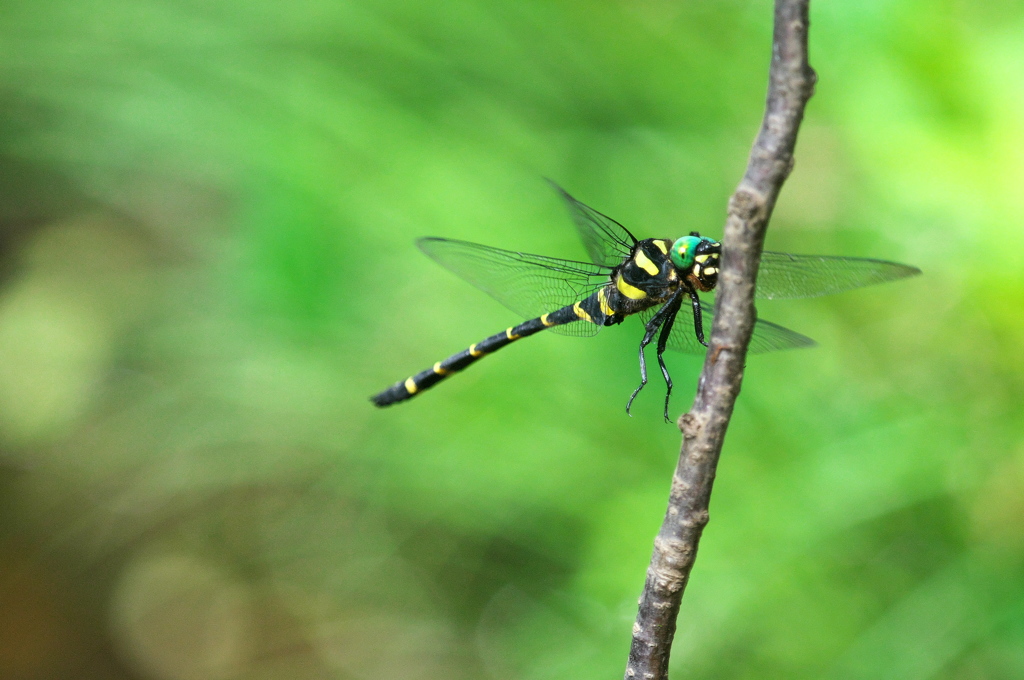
(654, 279)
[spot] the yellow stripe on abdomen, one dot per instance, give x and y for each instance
(581, 313)
(602, 299)
(630, 291)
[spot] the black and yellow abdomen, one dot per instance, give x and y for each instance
(596, 309)
(413, 385)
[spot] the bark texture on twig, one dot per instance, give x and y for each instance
(791, 83)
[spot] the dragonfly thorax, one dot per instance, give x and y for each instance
(696, 258)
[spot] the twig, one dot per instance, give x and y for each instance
(791, 83)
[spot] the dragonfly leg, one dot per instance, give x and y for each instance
(666, 330)
(698, 322)
(649, 330)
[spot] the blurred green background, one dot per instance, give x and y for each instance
(207, 216)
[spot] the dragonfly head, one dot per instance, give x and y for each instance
(697, 258)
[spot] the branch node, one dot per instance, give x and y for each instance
(698, 520)
(688, 425)
(747, 204)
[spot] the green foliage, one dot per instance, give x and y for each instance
(208, 220)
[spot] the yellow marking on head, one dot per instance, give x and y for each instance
(581, 313)
(710, 271)
(602, 299)
(701, 258)
(410, 386)
(439, 370)
(662, 246)
(632, 292)
(544, 320)
(645, 263)
(474, 352)
(672, 276)
(510, 335)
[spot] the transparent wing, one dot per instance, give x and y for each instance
(608, 243)
(768, 337)
(529, 285)
(783, 275)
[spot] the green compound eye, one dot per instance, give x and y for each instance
(683, 251)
